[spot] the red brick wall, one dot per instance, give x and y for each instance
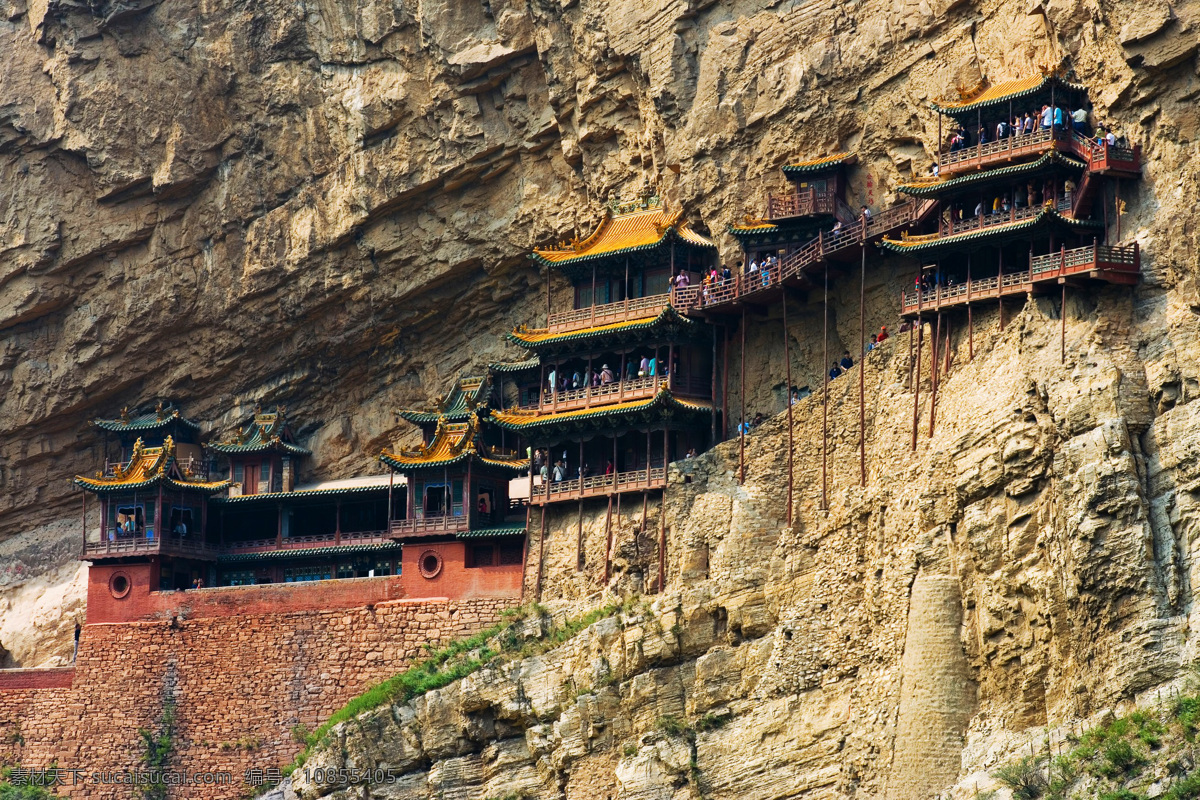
(240, 681)
(58, 678)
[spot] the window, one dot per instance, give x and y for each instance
(264, 474)
(479, 555)
(511, 553)
(345, 571)
(182, 521)
(383, 568)
(238, 473)
(243, 578)
(301, 574)
(435, 501)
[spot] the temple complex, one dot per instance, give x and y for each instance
(623, 382)
(1022, 208)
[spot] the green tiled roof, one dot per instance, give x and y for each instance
(664, 400)
(668, 317)
(308, 552)
(822, 164)
(146, 420)
(1005, 92)
(998, 231)
(468, 390)
(298, 495)
(934, 189)
(264, 434)
(492, 533)
(519, 366)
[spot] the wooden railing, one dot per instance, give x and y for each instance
(141, 545)
(597, 485)
(829, 243)
(800, 204)
(608, 313)
(1098, 156)
(304, 542)
(617, 392)
(429, 526)
(1121, 259)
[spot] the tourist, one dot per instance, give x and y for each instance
(866, 214)
(753, 269)
(551, 380)
(691, 453)
(743, 428)
(644, 367)
(596, 380)
(847, 361)
(1058, 118)
(883, 334)
(1027, 124)
(834, 370)
(544, 474)
(559, 472)
(609, 468)
(630, 370)
(934, 169)
(682, 281)
(1079, 120)
(757, 421)
(1047, 117)
(874, 341)
(983, 135)
(576, 381)
(653, 367)
(1110, 138)
(837, 226)
(766, 272)
(1001, 130)
(726, 276)
(979, 209)
(1005, 206)
(606, 375)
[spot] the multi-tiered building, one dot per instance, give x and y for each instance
(623, 382)
(464, 505)
(1018, 211)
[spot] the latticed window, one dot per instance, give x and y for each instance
(300, 574)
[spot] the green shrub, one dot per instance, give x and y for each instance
(672, 725)
(1186, 789)
(9, 791)
(1026, 778)
(1120, 757)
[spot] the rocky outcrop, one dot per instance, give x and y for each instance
(329, 207)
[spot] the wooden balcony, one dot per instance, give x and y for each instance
(1099, 157)
(608, 313)
(428, 526)
(638, 480)
(306, 542)
(806, 203)
(142, 545)
(618, 392)
(1120, 264)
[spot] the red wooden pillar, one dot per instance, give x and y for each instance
(337, 522)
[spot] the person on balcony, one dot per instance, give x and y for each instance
(1047, 117)
(576, 380)
(873, 343)
(1058, 118)
(682, 281)
(559, 472)
(545, 473)
(834, 370)
(552, 380)
(752, 270)
(644, 367)
(606, 375)
(847, 361)
(865, 213)
(653, 368)
(631, 369)
(983, 135)
(609, 468)
(1079, 120)
(726, 276)
(883, 334)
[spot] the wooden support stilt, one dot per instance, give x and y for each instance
(713, 392)
(608, 538)
(787, 358)
(742, 416)
(917, 384)
(662, 518)
(970, 319)
(645, 511)
(579, 533)
(910, 354)
(541, 556)
(949, 354)
(825, 401)
(862, 370)
(1000, 284)
(725, 386)
(933, 372)
(1063, 338)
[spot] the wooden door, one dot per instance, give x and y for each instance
(250, 478)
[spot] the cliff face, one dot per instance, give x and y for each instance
(328, 206)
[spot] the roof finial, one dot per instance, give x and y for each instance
(158, 411)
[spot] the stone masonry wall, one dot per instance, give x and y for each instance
(239, 684)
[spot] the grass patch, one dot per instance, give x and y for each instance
(1026, 778)
(453, 662)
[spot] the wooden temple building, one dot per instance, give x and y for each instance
(461, 503)
(1023, 212)
(623, 382)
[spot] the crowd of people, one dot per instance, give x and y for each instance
(647, 367)
(1056, 118)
